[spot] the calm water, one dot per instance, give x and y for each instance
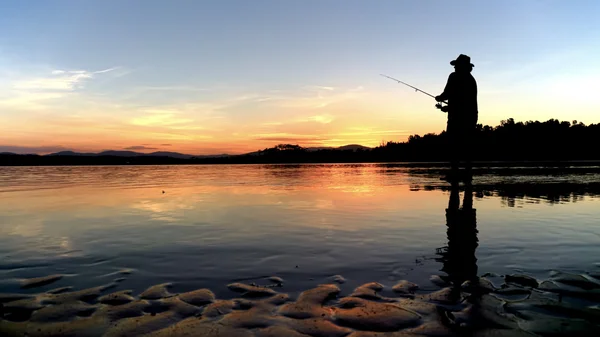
(305, 223)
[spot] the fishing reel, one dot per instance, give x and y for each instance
(442, 107)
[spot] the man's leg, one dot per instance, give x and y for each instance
(453, 150)
(468, 145)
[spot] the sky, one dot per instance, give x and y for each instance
(234, 76)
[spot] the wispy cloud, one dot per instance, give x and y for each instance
(318, 88)
(272, 123)
(140, 148)
(32, 92)
(167, 118)
(28, 100)
(374, 132)
(315, 97)
(185, 88)
(105, 70)
(59, 80)
(288, 137)
(66, 81)
(324, 119)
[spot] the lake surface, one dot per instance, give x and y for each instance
(207, 226)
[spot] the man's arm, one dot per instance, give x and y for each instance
(446, 94)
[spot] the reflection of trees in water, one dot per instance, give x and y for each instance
(512, 194)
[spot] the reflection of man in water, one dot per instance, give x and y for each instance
(461, 94)
(458, 258)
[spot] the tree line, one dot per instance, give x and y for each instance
(552, 140)
(509, 141)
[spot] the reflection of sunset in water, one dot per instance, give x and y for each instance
(220, 223)
(352, 190)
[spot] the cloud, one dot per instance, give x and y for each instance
(158, 144)
(59, 81)
(315, 97)
(318, 88)
(157, 117)
(34, 92)
(28, 100)
(324, 119)
(367, 132)
(140, 148)
(142, 89)
(31, 149)
(287, 137)
(105, 70)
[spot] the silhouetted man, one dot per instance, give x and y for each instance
(461, 94)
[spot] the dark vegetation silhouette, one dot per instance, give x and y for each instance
(511, 141)
(552, 141)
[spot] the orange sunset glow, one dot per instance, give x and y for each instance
(179, 79)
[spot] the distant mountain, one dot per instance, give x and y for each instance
(183, 156)
(177, 155)
(120, 153)
(169, 154)
(212, 156)
(353, 147)
(71, 153)
(115, 153)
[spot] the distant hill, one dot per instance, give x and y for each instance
(70, 153)
(170, 154)
(213, 156)
(115, 153)
(118, 153)
(353, 147)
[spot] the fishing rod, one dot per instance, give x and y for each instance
(439, 105)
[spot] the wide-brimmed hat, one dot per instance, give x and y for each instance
(462, 59)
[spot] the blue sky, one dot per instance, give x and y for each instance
(214, 76)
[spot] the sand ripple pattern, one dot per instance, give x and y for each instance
(521, 306)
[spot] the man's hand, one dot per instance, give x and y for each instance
(444, 108)
(439, 98)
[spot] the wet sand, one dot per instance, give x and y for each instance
(510, 305)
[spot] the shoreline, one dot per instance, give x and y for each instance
(541, 164)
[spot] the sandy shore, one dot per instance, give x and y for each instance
(512, 305)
